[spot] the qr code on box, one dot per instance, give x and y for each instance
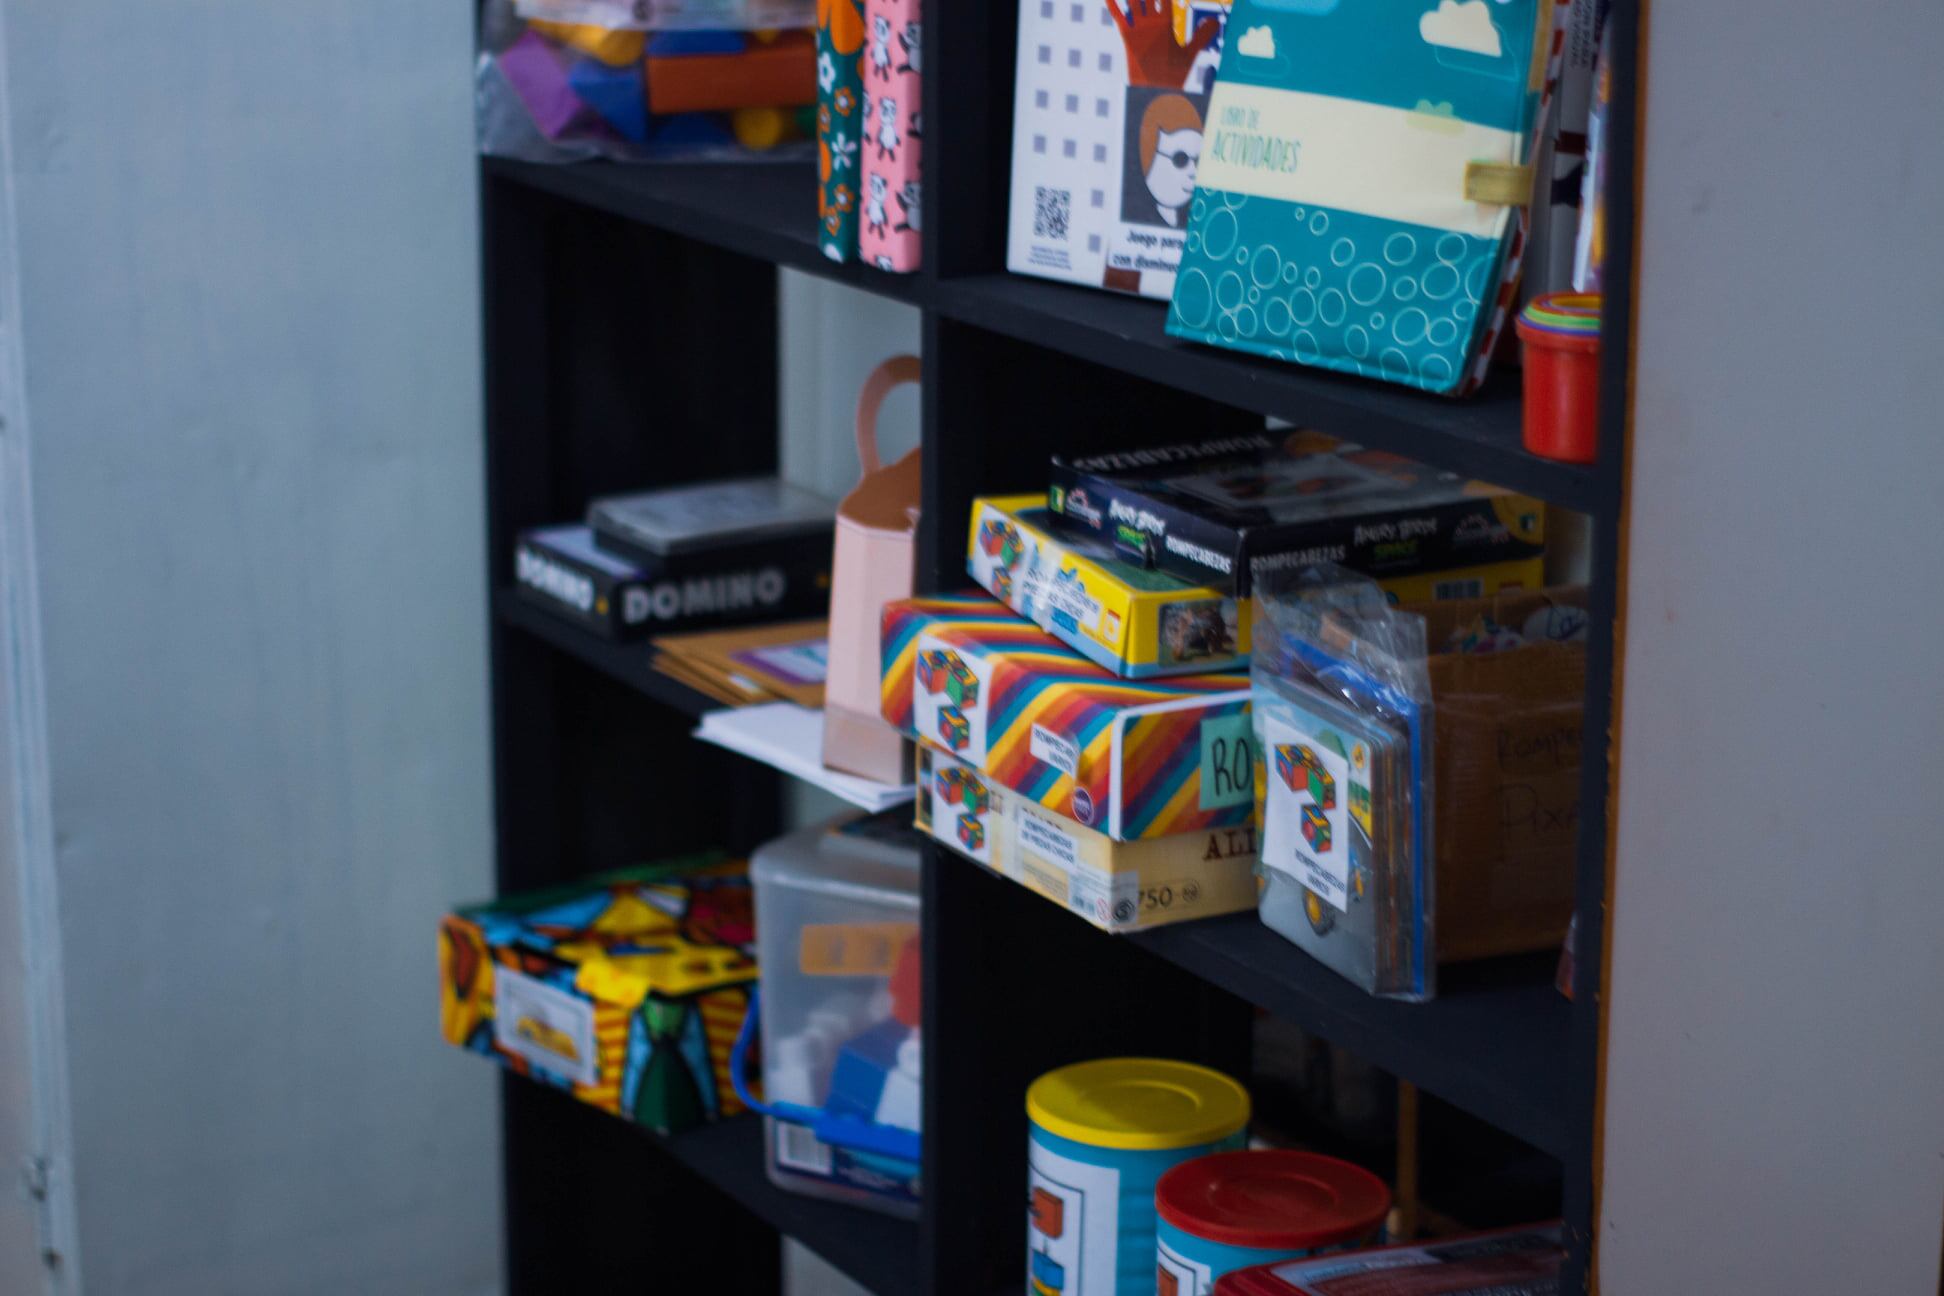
(1052, 209)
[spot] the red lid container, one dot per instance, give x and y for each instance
(1273, 1200)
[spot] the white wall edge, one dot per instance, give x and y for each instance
(27, 845)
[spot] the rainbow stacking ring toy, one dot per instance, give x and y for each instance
(1561, 332)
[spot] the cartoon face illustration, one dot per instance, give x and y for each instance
(887, 133)
(874, 215)
(908, 200)
(1171, 143)
(881, 44)
(911, 40)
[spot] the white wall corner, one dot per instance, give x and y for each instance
(39, 1250)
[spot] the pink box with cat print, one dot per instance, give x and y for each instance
(887, 226)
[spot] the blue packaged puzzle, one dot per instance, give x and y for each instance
(1359, 202)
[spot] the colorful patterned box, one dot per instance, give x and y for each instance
(1360, 203)
(840, 125)
(1116, 886)
(626, 990)
(1130, 758)
(888, 233)
(1133, 621)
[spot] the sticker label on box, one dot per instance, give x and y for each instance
(1306, 818)
(1227, 762)
(548, 1027)
(1105, 897)
(1063, 754)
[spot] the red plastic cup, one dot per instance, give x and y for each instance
(1562, 390)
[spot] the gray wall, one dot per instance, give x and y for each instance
(249, 284)
(1775, 1077)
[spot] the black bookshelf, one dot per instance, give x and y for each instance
(630, 340)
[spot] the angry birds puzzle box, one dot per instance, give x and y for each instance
(626, 990)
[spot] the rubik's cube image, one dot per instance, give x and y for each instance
(931, 671)
(951, 785)
(961, 685)
(954, 730)
(1002, 584)
(1301, 770)
(977, 796)
(1316, 829)
(1000, 541)
(971, 832)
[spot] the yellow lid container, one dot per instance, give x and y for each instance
(1138, 1104)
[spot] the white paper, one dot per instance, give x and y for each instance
(789, 737)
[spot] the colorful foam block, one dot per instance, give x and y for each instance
(1052, 723)
(536, 74)
(614, 93)
(616, 47)
(863, 1063)
(780, 74)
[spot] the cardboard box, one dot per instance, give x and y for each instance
(1130, 758)
(603, 988)
(1203, 510)
(1506, 769)
(1131, 620)
(1116, 886)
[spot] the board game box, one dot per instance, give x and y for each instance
(1130, 619)
(1205, 511)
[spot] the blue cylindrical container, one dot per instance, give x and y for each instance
(1220, 1213)
(1101, 1135)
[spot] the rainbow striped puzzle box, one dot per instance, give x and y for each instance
(1130, 758)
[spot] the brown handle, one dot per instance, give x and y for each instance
(892, 373)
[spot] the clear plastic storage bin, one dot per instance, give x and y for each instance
(838, 948)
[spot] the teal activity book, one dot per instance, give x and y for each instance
(1360, 203)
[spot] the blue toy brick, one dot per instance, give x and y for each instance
(673, 44)
(857, 1081)
(616, 93)
(692, 130)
